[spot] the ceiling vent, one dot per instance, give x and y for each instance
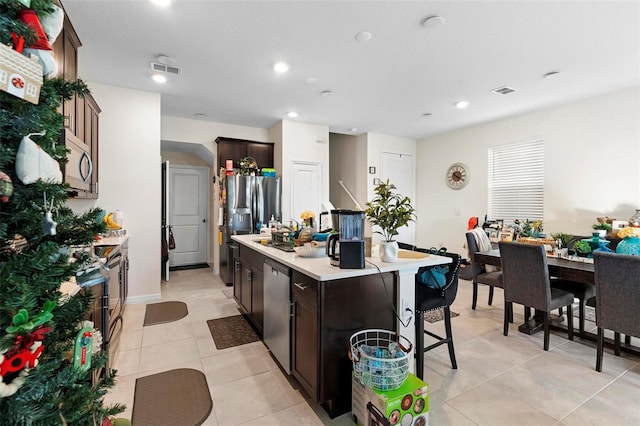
(164, 68)
(504, 90)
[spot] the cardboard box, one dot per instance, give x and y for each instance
(407, 406)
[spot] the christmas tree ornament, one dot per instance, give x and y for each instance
(33, 163)
(6, 187)
(19, 359)
(51, 26)
(23, 75)
(48, 224)
(29, 17)
(83, 348)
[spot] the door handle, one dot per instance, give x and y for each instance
(292, 309)
(204, 220)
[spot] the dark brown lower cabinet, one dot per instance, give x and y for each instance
(304, 333)
(248, 286)
(327, 314)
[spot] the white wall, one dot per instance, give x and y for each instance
(348, 163)
(303, 142)
(206, 132)
(592, 152)
(129, 179)
(376, 145)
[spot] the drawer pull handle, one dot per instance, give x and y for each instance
(301, 286)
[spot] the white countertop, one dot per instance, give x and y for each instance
(321, 269)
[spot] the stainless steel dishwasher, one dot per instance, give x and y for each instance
(277, 311)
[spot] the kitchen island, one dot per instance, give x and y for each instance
(328, 305)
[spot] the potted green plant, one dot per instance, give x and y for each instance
(564, 239)
(582, 248)
(603, 228)
(389, 211)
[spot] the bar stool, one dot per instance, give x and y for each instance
(429, 299)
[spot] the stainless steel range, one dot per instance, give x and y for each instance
(114, 296)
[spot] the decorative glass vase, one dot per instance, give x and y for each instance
(629, 245)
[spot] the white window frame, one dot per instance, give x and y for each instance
(515, 187)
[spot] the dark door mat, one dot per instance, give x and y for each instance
(159, 313)
(185, 267)
(437, 315)
(231, 331)
(175, 397)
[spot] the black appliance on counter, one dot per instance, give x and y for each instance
(346, 248)
(247, 203)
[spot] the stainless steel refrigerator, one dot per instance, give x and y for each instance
(247, 203)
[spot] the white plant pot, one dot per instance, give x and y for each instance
(389, 251)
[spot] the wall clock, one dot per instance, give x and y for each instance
(457, 176)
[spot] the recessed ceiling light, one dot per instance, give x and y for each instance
(311, 80)
(551, 74)
(363, 36)
(163, 3)
(281, 67)
(200, 115)
(427, 114)
(462, 104)
(292, 114)
(159, 78)
(432, 22)
(353, 129)
(326, 93)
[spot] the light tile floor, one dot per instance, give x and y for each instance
(499, 381)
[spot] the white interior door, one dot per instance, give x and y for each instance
(398, 168)
(306, 189)
(189, 214)
(165, 218)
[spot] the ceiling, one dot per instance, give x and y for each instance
(226, 51)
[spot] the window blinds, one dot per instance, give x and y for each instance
(516, 181)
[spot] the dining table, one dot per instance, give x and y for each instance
(579, 270)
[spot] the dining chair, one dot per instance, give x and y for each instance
(429, 299)
(406, 246)
(617, 279)
(479, 273)
(526, 281)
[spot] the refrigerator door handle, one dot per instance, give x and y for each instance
(254, 204)
(260, 205)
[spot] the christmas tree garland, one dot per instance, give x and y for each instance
(39, 384)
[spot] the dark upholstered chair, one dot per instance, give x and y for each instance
(617, 280)
(526, 281)
(428, 299)
(581, 291)
(406, 246)
(479, 274)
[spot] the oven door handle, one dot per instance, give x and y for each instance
(115, 260)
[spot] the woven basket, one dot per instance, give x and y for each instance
(305, 236)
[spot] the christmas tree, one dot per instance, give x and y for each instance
(39, 384)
